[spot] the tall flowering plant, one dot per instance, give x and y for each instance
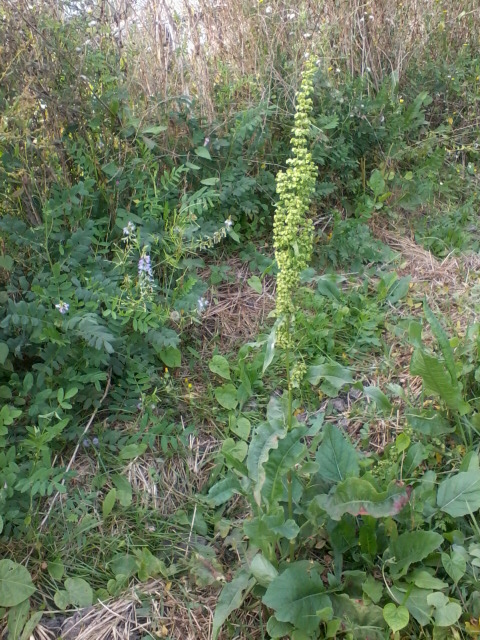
(293, 229)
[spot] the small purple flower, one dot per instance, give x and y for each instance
(86, 443)
(206, 142)
(63, 307)
(145, 266)
(95, 441)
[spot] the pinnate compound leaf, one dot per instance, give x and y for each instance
(459, 495)
(15, 584)
(265, 438)
(396, 617)
(358, 497)
(79, 592)
(231, 598)
(297, 594)
(412, 546)
(336, 456)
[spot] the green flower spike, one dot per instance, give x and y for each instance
(292, 229)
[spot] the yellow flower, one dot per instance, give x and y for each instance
(401, 100)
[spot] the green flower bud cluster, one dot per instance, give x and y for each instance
(297, 374)
(292, 229)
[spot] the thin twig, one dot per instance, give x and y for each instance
(74, 455)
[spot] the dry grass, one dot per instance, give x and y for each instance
(155, 609)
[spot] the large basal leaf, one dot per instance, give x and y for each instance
(334, 373)
(437, 380)
(336, 456)
(459, 495)
(297, 594)
(264, 439)
(224, 490)
(443, 341)
(416, 601)
(359, 497)
(289, 453)
(231, 598)
(15, 584)
(412, 546)
(362, 621)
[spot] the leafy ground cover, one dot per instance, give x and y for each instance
(238, 354)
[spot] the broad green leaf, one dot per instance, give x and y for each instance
(154, 130)
(148, 565)
(203, 152)
(15, 584)
(424, 580)
(79, 592)
(396, 617)
(17, 617)
(455, 565)
(31, 625)
(266, 530)
(124, 490)
(334, 373)
(131, 451)
(171, 357)
(219, 365)
(443, 342)
(109, 503)
(224, 490)
(459, 495)
(362, 621)
(437, 380)
(265, 437)
(297, 594)
(399, 290)
(226, 396)
(446, 612)
(336, 456)
(263, 570)
(280, 461)
(6, 262)
(123, 564)
(377, 182)
(327, 286)
(380, 399)
(56, 569)
(412, 546)
(231, 598)
(430, 424)
(236, 450)
(373, 589)
(415, 600)
(277, 629)
(358, 497)
(256, 284)
(3, 352)
(61, 599)
(241, 428)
